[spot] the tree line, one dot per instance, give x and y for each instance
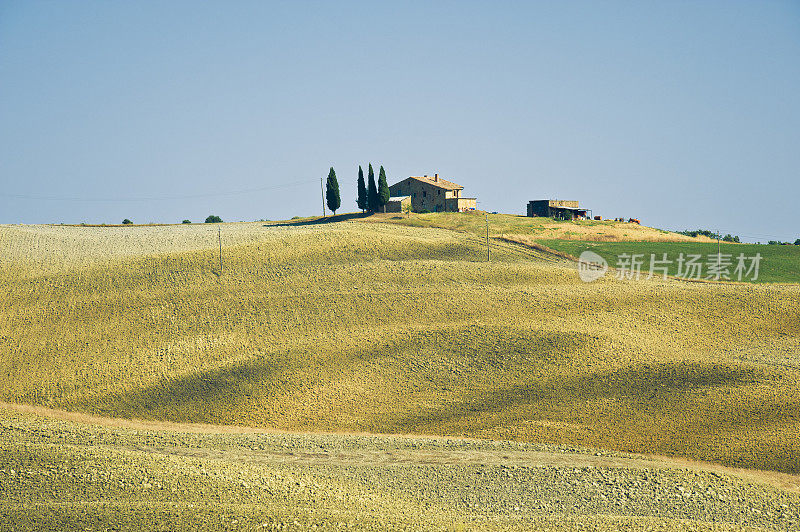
(710, 234)
(730, 238)
(370, 197)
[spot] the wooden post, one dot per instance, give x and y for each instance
(219, 236)
(487, 237)
(322, 190)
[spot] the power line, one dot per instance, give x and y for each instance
(157, 198)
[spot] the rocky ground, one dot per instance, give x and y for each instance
(57, 474)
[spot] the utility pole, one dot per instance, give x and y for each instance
(487, 237)
(322, 190)
(719, 249)
(219, 236)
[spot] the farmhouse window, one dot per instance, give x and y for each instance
(424, 193)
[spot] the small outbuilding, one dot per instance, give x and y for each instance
(398, 204)
(567, 209)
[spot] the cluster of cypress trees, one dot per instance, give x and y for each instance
(370, 197)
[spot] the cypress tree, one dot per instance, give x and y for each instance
(332, 192)
(383, 189)
(372, 191)
(361, 199)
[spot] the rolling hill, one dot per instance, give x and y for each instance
(388, 328)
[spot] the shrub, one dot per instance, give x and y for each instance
(126, 222)
(797, 242)
(186, 222)
(213, 219)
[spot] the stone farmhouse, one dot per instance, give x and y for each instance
(432, 194)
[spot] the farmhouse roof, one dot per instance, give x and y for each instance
(438, 182)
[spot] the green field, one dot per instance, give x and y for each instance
(778, 264)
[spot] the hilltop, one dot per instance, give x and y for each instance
(538, 228)
(609, 239)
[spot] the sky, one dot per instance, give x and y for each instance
(684, 114)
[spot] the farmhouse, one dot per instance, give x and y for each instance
(557, 209)
(432, 194)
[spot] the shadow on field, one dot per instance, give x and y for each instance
(195, 398)
(436, 357)
(319, 221)
(704, 411)
(655, 385)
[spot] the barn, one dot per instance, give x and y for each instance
(568, 209)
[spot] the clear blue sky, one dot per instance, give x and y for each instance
(682, 114)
